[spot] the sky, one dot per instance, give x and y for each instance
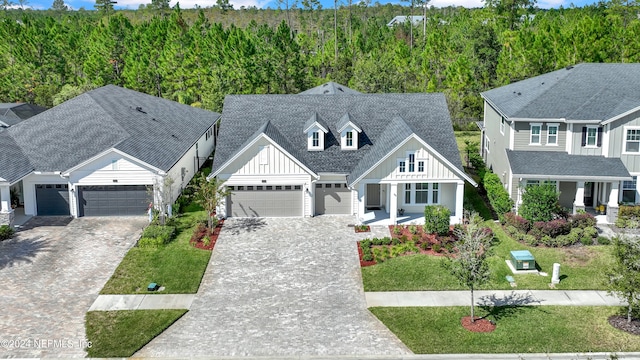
(185, 4)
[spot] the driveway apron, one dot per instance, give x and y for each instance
(51, 272)
(280, 287)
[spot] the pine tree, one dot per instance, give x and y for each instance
(105, 7)
(59, 5)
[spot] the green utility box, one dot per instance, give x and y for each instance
(523, 260)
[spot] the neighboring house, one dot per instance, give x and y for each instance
(13, 113)
(578, 128)
(105, 152)
(399, 20)
(333, 150)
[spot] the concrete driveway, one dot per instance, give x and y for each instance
(51, 272)
(277, 287)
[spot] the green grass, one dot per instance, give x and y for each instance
(581, 268)
(476, 202)
(461, 136)
(526, 329)
(122, 333)
(177, 266)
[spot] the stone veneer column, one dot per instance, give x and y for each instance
(612, 205)
(578, 203)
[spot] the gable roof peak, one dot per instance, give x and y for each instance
(347, 120)
(315, 120)
(330, 88)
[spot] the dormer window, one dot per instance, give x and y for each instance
(349, 131)
(315, 129)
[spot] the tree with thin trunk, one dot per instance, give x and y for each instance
(624, 276)
(209, 194)
(469, 264)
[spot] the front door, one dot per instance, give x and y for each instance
(373, 196)
(588, 194)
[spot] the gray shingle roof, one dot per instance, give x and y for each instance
(329, 88)
(560, 164)
(383, 118)
(346, 119)
(12, 113)
(582, 92)
(154, 130)
(13, 163)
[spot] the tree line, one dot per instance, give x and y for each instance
(198, 56)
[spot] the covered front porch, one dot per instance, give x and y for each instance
(394, 203)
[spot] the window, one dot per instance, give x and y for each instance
(349, 138)
(315, 139)
(502, 126)
(420, 166)
(407, 193)
(545, 182)
(486, 144)
(434, 194)
(412, 162)
(632, 141)
(552, 134)
(401, 166)
(535, 134)
(422, 193)
(629, 190)
(592, 135)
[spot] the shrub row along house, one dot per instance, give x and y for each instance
(333, 150)
(577, 128)
(109, 151)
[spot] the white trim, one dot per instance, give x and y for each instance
(569, 138)
(502, 124)
(318, 125)
(586, 143)
(436, 154)
(620, 116)
(605, 140)
(350, 124)
(487, 142)
(512, 135)
(249, 145)
(624, 140)
(68, 172)
(413, 192)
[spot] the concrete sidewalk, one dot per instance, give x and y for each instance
(492, 297)
(142, 302)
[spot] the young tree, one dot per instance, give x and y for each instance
(59, 5)
(209, 194)
(624, 276)
(469, 265)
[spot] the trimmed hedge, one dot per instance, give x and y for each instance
(498, 196)
(6, 232)
(436, 219)
(156, 235)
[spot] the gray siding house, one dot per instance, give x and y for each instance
(578, 128)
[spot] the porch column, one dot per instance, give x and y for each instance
(6, 212)
(612, 206)
(578, 203)
(393, 203)
(459, 201)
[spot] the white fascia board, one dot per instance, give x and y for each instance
(495, 108)
(67, 172)
(540, 120)
(316, 124)
(349, 124)
(249, 145)
(617, 117)
(570, 177)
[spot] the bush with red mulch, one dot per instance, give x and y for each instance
(201, 232)
(362, 262)
(481, 325)
(429, 244)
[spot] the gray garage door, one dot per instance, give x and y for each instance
(265, 201)
(113, 200)
(333, 199)
(52, 199)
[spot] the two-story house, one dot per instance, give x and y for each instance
(577, 128)
(333, 150)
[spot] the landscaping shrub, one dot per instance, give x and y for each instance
(498, 196)
(586, 241)
(436, 219)
(413, 229)
(603, 240)
(163, 233)
(437, 247)
(395, 241)
(575, 235)
(150, 242)
(518, 222)
(425, 246)
(551, 228)
(540, 203)
(386, 240)
(530, 240)
(628, 217)
(591, 232)
(6, 232)
(582, 220)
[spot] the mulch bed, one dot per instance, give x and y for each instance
(481, 325)
(202, 231)
(362, 262)
(362, 229)
(620, 322)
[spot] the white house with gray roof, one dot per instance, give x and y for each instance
(578, 128)
(105, 152)
(333, 150)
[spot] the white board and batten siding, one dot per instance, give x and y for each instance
(434, 171)
(189, 163)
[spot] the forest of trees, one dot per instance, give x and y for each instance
(198, 56)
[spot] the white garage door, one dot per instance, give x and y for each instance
(334, 198)
(265, 201)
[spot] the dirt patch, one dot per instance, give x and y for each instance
(578, 255)
(620, 322)
(480, 325)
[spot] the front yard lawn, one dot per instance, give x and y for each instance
(177, 266)
(581, 267)
(526, 329)
(122, 333)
